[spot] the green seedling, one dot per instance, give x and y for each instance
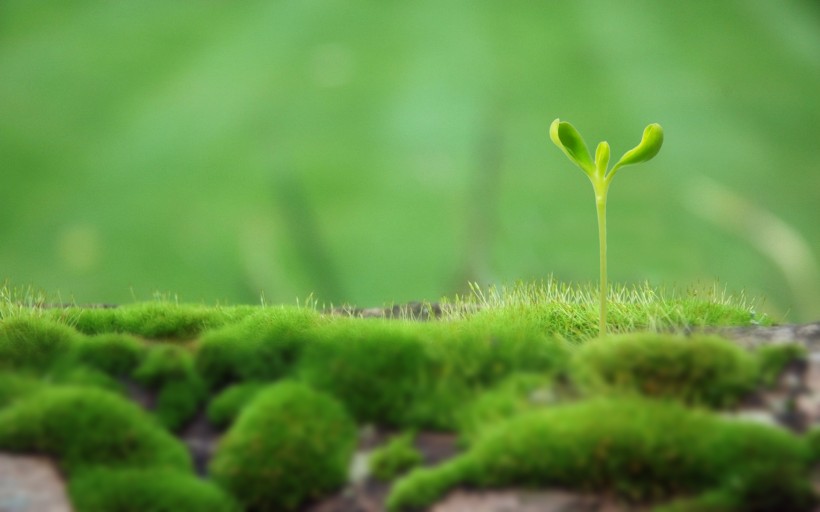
(568, 140)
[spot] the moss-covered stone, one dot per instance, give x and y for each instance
(289, 445)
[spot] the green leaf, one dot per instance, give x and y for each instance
(650, 145)
(602, 157)
(568, 140)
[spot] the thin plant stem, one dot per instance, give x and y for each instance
(600, 203)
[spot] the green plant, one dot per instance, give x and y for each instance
(227, 405)
(112, 353)
(698, 370)
(568, 140)
(86, 427)
(773, 360)
(33, 342)
(516, 394)
(397, 456)
(634, 447)
(262, 347)
(169, 369)
(146, 490)
(291, 444)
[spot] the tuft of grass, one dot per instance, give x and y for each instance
(140, 490)
(635, 447)
(291, 444)
(396, 457)
(263, 347)
(169, 369)
(700, 370)
(85, 427)
(227, 405)
(571, 311)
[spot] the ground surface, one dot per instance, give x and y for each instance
(33, 484)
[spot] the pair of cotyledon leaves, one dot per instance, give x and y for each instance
(567, 138)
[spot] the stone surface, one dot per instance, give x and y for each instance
(31, 484)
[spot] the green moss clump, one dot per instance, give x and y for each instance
(395, 457)
(85, 427)
(264, 347)
(699, 370)
(169, 369)
(114, 354)
(290, 444)
(17, 386)
(34, 343)
(518, 393)
(773, 359)
(153, 320)
(756, 488)
(140, 490)
(635, 447)
(85, 376)
(227, 405)
(376, 369)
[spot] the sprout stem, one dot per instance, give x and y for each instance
(600, 203)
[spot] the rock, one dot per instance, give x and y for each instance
(31, 484)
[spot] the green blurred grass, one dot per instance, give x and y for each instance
(392, 152)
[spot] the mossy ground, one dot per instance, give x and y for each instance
(517, 373)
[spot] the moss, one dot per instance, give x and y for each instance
(154, 320)
(84, 427)
(699, 370)
(773, 360)
(395, 457)
(812, 438)
(468, 357)
(756, 488)
(377, 369)
(169, 369)
(35, 343)
(417, 375)
(290, 444)
(265, 346)
(226, 406)
(634, 447)
(115, 354)
(514, 395)
(146, 490)
(85, 376)
(17, 386)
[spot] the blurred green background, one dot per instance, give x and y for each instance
(370, 152)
